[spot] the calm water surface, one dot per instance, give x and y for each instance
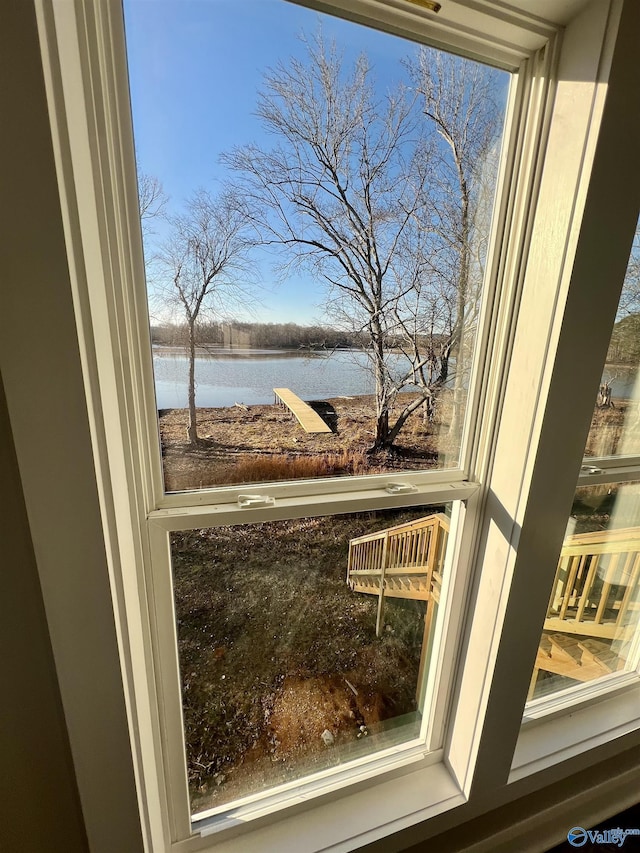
(249, 376)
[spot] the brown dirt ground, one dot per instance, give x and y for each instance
(267, 443)
(276, 650)
(609, 426)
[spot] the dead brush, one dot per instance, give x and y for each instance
(251, 469)
(349, 462)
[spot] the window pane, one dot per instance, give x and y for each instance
(592, 622)
(316, 201)
(615, 428)
(291, 662)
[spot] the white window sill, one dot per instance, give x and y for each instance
(344, 821)
(554, 733)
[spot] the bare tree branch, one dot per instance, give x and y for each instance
(204, 265)
(379, 198)
(152, 198)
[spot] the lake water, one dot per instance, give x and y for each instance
(249, 376)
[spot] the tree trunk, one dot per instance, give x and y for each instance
(192, 427)
(458, 383)
(382, 429)
(428, 410)
(392, 433)
(382, 389)
(604, 400)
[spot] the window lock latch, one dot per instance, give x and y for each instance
(400, 488)
(590, 469)
(251, 501)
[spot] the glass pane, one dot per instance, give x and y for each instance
(592, 623)
(291, 662)
(615, 427)
(316, 201)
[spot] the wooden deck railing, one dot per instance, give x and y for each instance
(404, 561)
(595, 598)
(595, 592)
(593, 608)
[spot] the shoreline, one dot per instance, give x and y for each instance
(220, 351)
(265, 442)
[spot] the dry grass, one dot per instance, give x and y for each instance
(249, 469)
(194, 469)
(266, 443)
(614, 430)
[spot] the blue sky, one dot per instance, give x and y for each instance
(195, 67)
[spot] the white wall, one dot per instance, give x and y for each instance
(41, 372)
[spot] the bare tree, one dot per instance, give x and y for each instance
(151, 196)
(201, 269)
(342, 191)
(630, 296)
(363, 194)
(624, 346)
(459, 104)
(152, 204)
(604, 399)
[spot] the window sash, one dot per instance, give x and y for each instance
(504, 41)
(413, 755)
(577, 696)
(514, 188)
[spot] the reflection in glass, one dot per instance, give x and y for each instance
(291, 659)
(615, 426)
(316, 201)
(592, 621)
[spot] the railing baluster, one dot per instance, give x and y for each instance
(606, 587)
(423, 544)
(577, 563)
(580, 580)
(380, 613)
(560, 584)
(586, 590)
(630, 591)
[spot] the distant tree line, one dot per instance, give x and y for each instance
(625, 341)
(625, 338)
(265, 335)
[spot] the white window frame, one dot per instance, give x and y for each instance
(82, 46)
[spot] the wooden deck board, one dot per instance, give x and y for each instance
(308, 419)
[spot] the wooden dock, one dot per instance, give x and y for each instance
(309, 420)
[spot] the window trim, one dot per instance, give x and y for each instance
(504, 38)
(571, 729)
(563, 261)
(123, 534)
